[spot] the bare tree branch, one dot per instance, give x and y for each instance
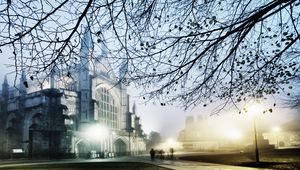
(195, 52)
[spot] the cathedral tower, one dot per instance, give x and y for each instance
(123, 76)
(5, 89)
(85, 78)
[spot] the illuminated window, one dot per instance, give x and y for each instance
(107, 108)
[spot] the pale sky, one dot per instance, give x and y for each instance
(170, 120)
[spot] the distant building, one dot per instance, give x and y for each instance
(198, 134)
(286, 136)
(221, 134)
(209, 134)
(55, 121)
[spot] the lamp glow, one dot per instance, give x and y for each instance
(276, 129)
(171, 141)
(233, 134)
(96, 132)
(255, 109)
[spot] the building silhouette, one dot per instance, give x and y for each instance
(54, 121)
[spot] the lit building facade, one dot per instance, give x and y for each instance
(55, 121)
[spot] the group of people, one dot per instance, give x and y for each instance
(161, 154)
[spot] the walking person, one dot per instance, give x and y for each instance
(152, 154)
(172, 153)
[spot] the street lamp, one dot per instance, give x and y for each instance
(255, 139)
(254, 111)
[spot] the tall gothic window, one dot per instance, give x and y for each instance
(107, 108)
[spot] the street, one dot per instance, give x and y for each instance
(126, 162)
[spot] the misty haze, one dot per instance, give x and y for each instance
(208, 84)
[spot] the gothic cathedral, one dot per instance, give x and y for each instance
(88, 117)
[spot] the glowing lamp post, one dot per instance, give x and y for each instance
(253, 111)
(255, 139)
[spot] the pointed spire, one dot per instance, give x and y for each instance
(86, 42)
(5, 88)
(52, 81)
(5, 80)
(133, 108)
(123, 70)
(86, 48)
(104, 50)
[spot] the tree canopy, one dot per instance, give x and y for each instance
(195, 52)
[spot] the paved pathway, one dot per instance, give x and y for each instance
(171, 164)
(192, 165)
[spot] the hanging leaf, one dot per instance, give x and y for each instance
(18, 34)
(25, 84)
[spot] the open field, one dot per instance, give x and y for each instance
(273, 159)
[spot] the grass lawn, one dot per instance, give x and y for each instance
(90, 165)
(274, 159)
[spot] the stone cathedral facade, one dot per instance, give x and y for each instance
(56, 120)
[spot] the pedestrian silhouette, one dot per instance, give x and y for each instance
(162, 154)
(152, 154)
(172, 153)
